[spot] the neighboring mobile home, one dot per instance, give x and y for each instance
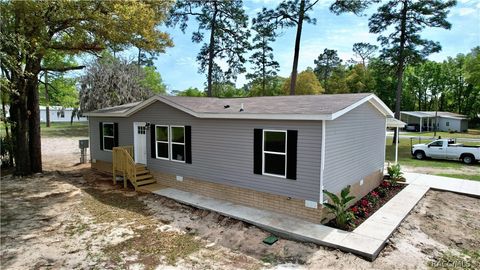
(425, 121)
(59, 114)
(276, 153)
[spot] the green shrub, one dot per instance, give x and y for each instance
(339, 207)
(395, 173)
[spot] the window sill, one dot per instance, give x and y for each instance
(275, 175)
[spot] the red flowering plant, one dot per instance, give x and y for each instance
(385, 184)
(361, 211)
(364, 203)
(372, 197)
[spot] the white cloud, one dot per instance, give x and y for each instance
(466, 11)
(186, 61)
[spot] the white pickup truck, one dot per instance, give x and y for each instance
(447, 149)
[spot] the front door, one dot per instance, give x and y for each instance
(140, 142)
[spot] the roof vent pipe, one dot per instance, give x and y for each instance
(241, 107)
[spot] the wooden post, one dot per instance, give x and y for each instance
(396, 146)
(114, 157)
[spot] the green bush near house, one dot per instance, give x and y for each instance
(395, 173)
(339, 207)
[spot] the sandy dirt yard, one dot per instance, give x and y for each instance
(72, 218)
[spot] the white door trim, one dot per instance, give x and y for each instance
(135, 152)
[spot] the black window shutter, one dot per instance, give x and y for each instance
(101, 135)
(292, 154)
(115, 134)
(153, 151)
(257, 150)
(188, 144)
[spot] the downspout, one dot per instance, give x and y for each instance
(322, 161)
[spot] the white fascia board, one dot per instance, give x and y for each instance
(374, 100)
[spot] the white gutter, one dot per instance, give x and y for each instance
(322, 161)
(258, 116)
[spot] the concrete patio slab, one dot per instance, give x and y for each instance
(367, 240)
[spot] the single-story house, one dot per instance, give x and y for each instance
(425, 121)
(276, 153)
(59, 114)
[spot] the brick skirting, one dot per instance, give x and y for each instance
(277, 203)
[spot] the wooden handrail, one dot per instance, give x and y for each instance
(123, 162)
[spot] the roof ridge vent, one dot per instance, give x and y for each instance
(241, 107)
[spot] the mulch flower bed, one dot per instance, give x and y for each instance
(370, 203)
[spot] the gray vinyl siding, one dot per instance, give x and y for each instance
(354, 147)
(222, 150)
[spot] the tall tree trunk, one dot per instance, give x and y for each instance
(139, 57)
(47, 99)
(293, 77)
(325, 77)
(19, 119)
(7, 133)
(400, 66)
(211, 50)
(264, 76)
(35, 144)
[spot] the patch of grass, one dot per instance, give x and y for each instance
(106, 207)
(76, 229)
(275, 259)
(77, 129)
(468, 259)
(59, 129)
(152, 245)
(270, 258)
(148, 244)
(474, 177)
(471, 133)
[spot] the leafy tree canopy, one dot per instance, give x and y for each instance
(307, 84)
(273, 87)
(324, 66)
(190, 92)
(110, 82)
(153, 80)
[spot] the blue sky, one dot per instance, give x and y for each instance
(179, 69)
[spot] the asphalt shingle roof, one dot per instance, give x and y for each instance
(305, 104)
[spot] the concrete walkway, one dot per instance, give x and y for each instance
(468, 187)
(367, 240)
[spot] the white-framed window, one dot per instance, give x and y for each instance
(108, 136)
(162, 138)
(177, 143)
(274, 153)
(170, 142)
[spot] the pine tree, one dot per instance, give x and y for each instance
(293, 13)
(364, 51)
(265, 68)
(404, 45)
(325, 64)
(226, 22)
